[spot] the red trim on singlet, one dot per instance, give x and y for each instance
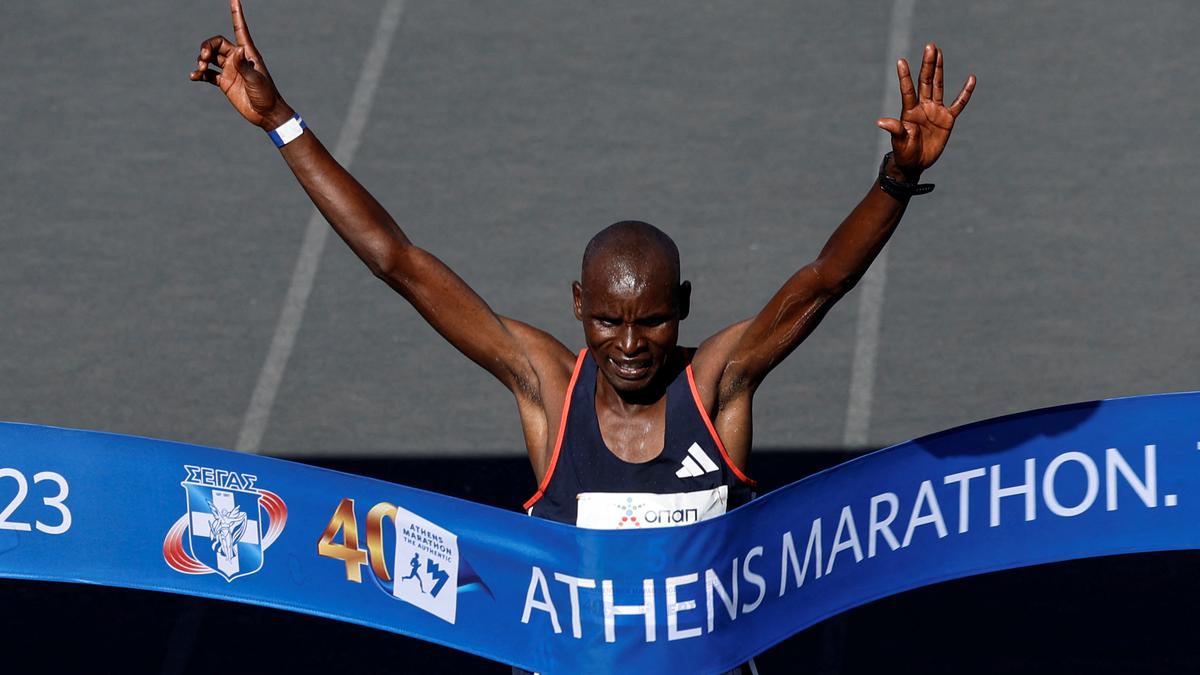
(562, 428)
(712, 430)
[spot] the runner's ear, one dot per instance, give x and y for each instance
(684, 298)
(577, 295)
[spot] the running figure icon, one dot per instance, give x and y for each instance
(415, 573)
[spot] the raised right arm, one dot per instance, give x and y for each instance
(513, 352)
(446, 302)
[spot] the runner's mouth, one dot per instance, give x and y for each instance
(630, 370)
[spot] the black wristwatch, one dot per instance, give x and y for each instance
(896, 188)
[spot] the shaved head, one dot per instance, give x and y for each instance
(625, 253)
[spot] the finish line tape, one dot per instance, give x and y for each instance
(1091, 479)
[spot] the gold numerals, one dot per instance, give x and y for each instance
(348, 551)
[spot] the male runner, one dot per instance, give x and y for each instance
(633, 431)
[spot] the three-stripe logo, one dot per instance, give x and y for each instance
(697, 463)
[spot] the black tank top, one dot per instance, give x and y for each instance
(692, 479)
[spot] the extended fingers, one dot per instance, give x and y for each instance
(240, 31)
(928, 61)
(963, 97)
(908, 95)
(937, 78)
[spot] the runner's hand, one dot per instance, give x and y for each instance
(242, 75)
(920, 135)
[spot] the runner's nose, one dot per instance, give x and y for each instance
(628, 342)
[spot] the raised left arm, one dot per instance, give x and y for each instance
(737, 359)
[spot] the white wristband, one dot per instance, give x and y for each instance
(288, 131)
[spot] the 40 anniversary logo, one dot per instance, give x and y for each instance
(222, 531)
(427, 571)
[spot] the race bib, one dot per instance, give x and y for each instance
(641, 510)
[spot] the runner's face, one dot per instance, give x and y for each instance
(630, 316)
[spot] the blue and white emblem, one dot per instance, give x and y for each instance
(225, 533)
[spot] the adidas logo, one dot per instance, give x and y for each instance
(696, 463)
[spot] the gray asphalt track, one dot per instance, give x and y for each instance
(148, 235)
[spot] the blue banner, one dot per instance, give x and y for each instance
(1109, 477)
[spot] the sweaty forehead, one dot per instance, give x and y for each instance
(631, 256)
(622, 275)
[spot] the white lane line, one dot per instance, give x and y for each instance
(870, 294)
(258, 413)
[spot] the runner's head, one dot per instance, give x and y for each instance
(630, 301)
